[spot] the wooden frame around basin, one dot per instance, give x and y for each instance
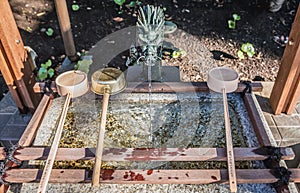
(26, 152)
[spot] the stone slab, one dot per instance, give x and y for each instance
(4, 118)
(264, 104)
(284, 120)
(290, 132)
(11, 134)
(19, 119)
(276, 134)
(288, 143)
(8, 105)
(269, 119)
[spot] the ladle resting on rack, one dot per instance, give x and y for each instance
(225, 80)
(105, 82)
(72, 84)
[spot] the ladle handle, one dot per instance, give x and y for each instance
(99, 149)
(53, 150)
(229, 146)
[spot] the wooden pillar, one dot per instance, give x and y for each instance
(286, 90)
(15, 67)
(65, 28)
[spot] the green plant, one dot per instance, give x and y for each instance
(119, 2)
(179, 53)
(49, 31)
(83, 65)
(45, 71)
(134, 3)
(232, 23)
(75, 7)
(246, 48)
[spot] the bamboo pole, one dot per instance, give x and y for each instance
(65, 28)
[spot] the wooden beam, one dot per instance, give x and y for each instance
(149, 176)
(65, 28)
(13, 55)
(284, 90)
(294, 97)
(158, 87)
(256, 121)
(148, 154)
(35, 121)
(3, 188)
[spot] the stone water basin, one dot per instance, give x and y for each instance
(135, 120)
(177, 120)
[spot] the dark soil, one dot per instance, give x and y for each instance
(205, 19)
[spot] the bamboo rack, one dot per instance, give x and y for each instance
(190, 176)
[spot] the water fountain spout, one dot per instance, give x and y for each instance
(150, 27)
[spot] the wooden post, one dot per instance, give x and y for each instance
(65, 28)
(286, 91)
(14, 66)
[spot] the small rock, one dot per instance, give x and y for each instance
(118, 19)
(88, 8)
(185, 11)
(111, 42)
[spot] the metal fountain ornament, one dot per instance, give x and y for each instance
(150, 26)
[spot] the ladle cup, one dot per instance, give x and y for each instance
(72, 84)
(225, 80)
(106, 81)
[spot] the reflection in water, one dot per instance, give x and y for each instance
(178, 120)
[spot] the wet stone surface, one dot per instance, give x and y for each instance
(177, 120)
(167, 121)
(157, 121)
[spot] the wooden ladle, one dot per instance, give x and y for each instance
(106, 81)
(72, 84)
(225, 80)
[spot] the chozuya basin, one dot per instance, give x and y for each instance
(111, 80)
(74, 82)
(222, 78)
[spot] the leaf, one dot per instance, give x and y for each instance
(119, 2)
(42, 74)
(182, 53)
(247, 47)
(75, 7)
(132, 4)
(138, 2)
(51, 72)
(236, 17)
(231, 24)
(84, 65)
(48, 63)
(49, 32)
(240, 54)
(250, 54)
(175, 54)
